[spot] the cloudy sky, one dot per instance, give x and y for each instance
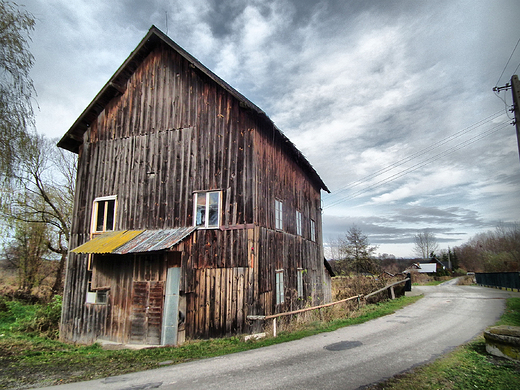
(390, 101)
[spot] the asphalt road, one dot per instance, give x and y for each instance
(348, 358)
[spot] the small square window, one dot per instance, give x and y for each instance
(278, 214)
(207, 209)
(104, 214)
(99, 297)
(102, 297)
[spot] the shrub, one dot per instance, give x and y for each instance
(459, 272)
(349, 286)
(466, 280)
(46, 320)
(4, 308)
(14, 313)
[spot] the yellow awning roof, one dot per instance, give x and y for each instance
(107, 242)
(135, 241)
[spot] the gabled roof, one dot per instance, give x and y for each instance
(116, 86)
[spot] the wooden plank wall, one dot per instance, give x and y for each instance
(171, 133)
(219, 304)
(279, 177)
(277, 250)
(80, 322)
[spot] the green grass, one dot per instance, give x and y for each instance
(14, 314)
(511, 315)
(468, 367)
(429, 283)
(27, 360)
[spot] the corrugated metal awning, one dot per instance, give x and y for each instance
(107, 242)
(155, 240)
(135, 241)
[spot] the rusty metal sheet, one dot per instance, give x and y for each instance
(155, 240)
(135, 241)
(107, 242)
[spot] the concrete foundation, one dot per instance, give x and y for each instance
(503, 341)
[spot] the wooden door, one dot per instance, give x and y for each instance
(146, 313)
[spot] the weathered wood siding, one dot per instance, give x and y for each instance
(171, 132)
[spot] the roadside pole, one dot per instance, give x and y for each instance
(515, 85)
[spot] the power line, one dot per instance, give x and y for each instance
(507, 63)
(506, 106)
(421, 164)
(421, 152)
(518, 66)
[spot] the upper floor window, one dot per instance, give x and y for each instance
(298, 223)
(207, 209)
(278, 214)
(104, 214)
(313, 230)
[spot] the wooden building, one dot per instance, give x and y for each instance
(192, 210)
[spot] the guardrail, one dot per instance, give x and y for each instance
(499, 279)
(358, 297)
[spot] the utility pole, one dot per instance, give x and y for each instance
(515, 85)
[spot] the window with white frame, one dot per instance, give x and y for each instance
(298, 223)
(278, 214)
(299, 277)
(280, 298)
(104, 214)
(313, 230)
(207, 209)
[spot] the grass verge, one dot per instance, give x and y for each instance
(429, 283)
(467, 367)
(27, 362)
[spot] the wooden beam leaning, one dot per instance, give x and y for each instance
(257, 317)
(360, 296)
(384, 288)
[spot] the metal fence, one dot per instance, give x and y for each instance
(499, 279)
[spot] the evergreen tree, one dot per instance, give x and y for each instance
(357, 254)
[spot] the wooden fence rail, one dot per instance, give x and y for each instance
(358, 297)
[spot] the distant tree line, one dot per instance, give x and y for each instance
(493, 251)
(497, 250)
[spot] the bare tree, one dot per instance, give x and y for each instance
(333, 248)
(16, 87)
(27, 253)
(425, 244)
(492, 251)
(42, 192)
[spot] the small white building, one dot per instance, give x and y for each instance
(427, 268)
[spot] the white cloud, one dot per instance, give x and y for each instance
(357, 86)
